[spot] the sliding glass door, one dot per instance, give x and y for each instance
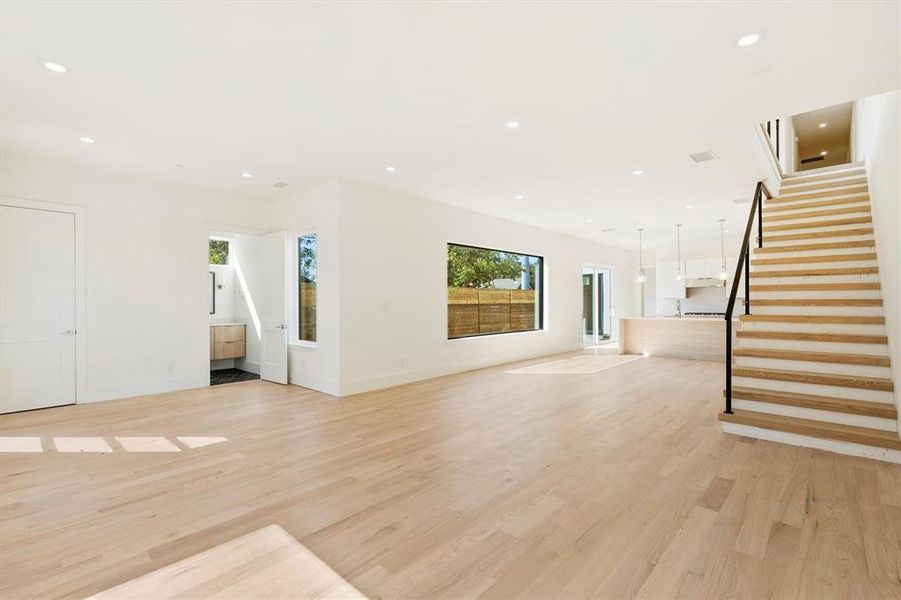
(597, 306)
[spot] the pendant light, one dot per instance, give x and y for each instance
(678, 254)
(723, 275)
(641, 276)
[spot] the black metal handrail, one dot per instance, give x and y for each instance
(744, 263)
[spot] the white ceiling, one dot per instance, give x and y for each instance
(298, 92)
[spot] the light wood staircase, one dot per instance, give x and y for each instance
(811, 364)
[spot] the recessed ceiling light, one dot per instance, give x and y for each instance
(725, 231)
(390, 169)
(749, 40)
(512, 124)
(822, 125)
(55, 67)
(247, 175)
(638, 172)
(588, 220)
(520, 197)
(87, 140)
(823, 153)
(690, 206)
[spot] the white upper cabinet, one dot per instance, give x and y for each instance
(667, 286)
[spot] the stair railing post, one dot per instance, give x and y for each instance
(748, 282)
(728, 365)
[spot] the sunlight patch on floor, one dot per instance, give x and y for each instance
(97, 444)
(20, 444)
(147, 444)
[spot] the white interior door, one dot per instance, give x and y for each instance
(37, 308)
(274, 307)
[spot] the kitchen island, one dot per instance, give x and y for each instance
(696, 338)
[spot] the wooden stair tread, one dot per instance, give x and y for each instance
(812, 235)
(846, 170)
(819, 429)
(816, 302)
(803, 204)
(823, 258)
(837, 319)
(816, 272)
(821, 185)
(851, 381)
(871, 360)
(860, 188)
(817, 224)
(801, 336)
(844, 405)
(815, 246)
(813, 214)
(816, 287)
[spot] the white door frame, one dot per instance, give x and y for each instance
(80, 328)
(614, 321)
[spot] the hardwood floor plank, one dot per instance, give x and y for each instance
(611, 484)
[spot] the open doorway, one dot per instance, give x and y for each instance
(247, 285)
(232, 286)
(597, 306)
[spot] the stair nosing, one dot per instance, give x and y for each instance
(879, 410)
(818, 429)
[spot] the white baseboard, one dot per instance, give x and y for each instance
(884, 454)
(145, 388)
(369, 384)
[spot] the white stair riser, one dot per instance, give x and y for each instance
(808, 253)
(781, 437)
(807, 266)
(816, 389)
(838, 238)
(807, 346)
(834, 190)
(801, 219)
(845, 311)
(872, 277)
(808, 229)
(814, 414)
(813, 367)
(801, 206)
(852, 328)
(822, 294)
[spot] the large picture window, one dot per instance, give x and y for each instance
(306, 288)
(492, 291)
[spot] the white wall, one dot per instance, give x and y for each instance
(877, 130)
(393, 302)
(315, 210)
(147, 295)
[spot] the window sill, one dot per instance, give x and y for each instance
(494, 335)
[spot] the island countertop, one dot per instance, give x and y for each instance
(695, 338)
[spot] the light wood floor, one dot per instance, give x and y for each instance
(614, 484)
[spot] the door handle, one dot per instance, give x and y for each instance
(282, 326)
(68, 332)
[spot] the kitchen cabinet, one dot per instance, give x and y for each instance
(666, 283)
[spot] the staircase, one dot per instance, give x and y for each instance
(811, 363)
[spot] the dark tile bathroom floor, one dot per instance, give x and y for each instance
(220, 376)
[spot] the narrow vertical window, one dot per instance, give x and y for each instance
(306, 288)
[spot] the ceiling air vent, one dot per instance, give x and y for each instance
(280, 184)
(700, 157)
(608, 230)
(741, 201)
